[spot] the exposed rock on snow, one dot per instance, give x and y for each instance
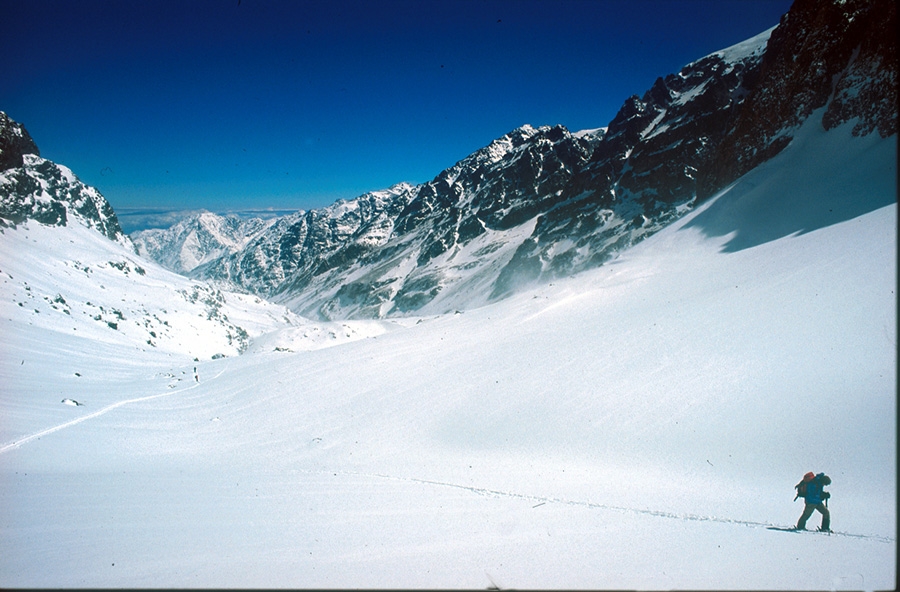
(15, 142)
(841, 55)
(541, 202)
(33, 188)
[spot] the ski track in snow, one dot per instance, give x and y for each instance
(15, 444)
(537, 499)
(542, 500)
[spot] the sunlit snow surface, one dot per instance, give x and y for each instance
(637, 426)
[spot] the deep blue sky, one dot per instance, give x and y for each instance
(232, 104)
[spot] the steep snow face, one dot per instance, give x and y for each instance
(638, 426)
(199, 239)
(753, 47)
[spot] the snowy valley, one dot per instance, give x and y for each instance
(638, 424)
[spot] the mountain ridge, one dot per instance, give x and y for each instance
(536, 204)
(202, 237)
(542, 202)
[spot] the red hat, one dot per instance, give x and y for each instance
(809, 476)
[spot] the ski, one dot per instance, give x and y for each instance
(795, 529)
(831, 533)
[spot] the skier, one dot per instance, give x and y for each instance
(811, 489)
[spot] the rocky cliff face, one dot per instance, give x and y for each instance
(840, 56)
(541, 203)
(536, 204)
(15, 142)
(34, 188)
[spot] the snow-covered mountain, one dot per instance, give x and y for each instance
(535, 204)
(33, 188)
(544, 203)
(76, 282)
(638, 426)
(197, 239)
(68, 269)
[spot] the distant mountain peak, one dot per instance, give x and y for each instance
(539, 202)
(197, 239)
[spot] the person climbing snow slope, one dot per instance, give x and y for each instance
(812, 490)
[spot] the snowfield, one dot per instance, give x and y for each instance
(637, 426)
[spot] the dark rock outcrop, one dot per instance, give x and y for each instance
(15, 142)
(40, 190)
(541, 203)
(837, 56)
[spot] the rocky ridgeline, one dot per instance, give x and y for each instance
(541, 203)
(837, 55)
(538, 203)
(197, 239)
(34, 188)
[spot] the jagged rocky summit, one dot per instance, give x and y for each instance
(541, 203)
(34, 188)
(536, 204)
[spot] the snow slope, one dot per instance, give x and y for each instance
(637, 426)
(73, 280)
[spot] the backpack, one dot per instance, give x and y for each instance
(807, 479)
(801, 487)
